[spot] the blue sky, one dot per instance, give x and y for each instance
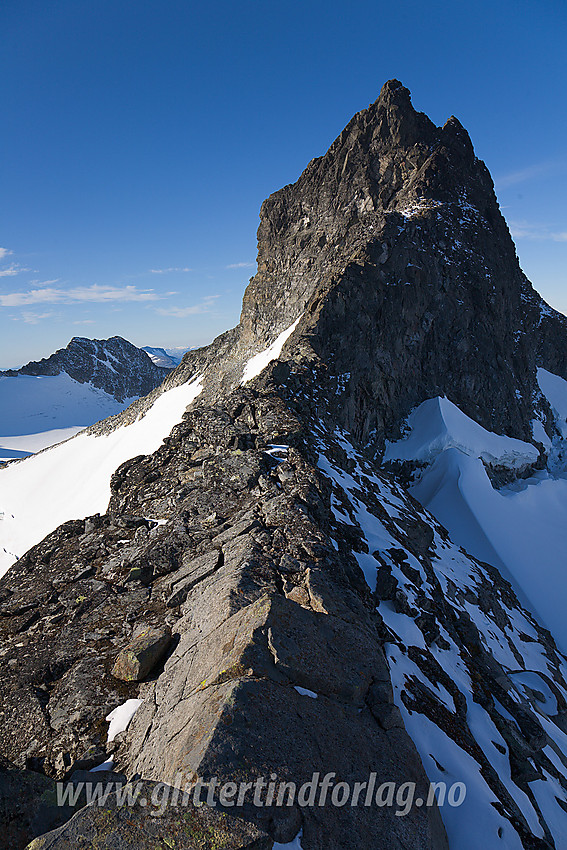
(140, 137)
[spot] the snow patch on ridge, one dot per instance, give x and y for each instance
(259, 362)
(120, 717)
(72, 480)
(293, 845)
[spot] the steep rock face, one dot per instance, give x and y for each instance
(394, 244)
(113, 365)
(321, 619)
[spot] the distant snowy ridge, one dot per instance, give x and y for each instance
(163, 357)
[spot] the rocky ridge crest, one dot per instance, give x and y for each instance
(266, 540)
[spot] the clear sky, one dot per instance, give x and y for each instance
(140, 137)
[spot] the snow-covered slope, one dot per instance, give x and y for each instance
(39, 411)
(72, 480)
(438, 424)
(16, 448)
(521, 528)
(474, 675)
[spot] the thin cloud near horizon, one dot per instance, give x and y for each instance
(171, 269)
(539, 169)
(31, 317)
(536, 232)
(183, 312)
(94, 294)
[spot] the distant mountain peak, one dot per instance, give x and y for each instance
(113, 365)
(161, 357)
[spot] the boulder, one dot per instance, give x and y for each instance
(141, 656)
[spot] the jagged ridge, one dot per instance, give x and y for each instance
(392, 253)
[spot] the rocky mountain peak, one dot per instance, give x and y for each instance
(388, 159)
(393, 248)
(114, 365)
(260, 584)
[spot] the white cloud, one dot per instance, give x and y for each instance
(94, 294)
(30, 317)
(240, 266)
(12, 270)
(167, 271)
(44, 282)
(523, 230)
(4, 252)
(182, 312)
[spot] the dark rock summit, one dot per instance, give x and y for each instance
(270, 559)
(113, 365)
(395, 242)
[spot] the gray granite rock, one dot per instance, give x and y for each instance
(142, 655)
(392, 256)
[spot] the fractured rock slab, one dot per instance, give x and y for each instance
(140, 657)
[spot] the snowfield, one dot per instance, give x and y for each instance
(37, 412)
(72, 480)
(520, 529)
(424, 669)
(31, 404)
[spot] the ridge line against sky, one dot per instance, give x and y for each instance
(140, 140)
